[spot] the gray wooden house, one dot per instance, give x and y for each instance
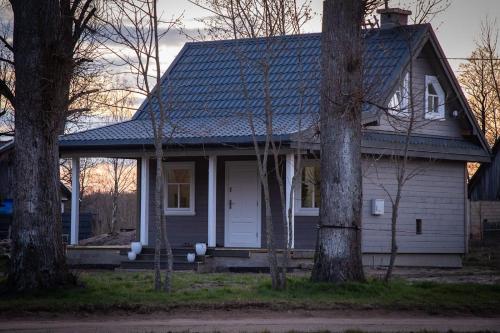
(484, 195)
(212, 191)
(485, 183)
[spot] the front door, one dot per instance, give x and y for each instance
(242, 218)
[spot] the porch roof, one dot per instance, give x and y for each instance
(198, 130)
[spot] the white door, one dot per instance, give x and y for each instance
(242, 218)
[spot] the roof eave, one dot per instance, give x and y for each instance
(457, 89)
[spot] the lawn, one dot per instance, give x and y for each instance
(130, 291)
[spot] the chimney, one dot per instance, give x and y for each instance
(393, 17)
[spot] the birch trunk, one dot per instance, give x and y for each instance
(157, 215)
(338, 248)
(114, 212)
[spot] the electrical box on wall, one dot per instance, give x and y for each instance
(377, 207)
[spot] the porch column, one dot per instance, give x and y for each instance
(144, 214)
(289, 195)
(212, 193)
(75, 200)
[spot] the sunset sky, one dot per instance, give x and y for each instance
(457, 28)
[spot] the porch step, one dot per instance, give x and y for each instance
(231, 253)
(149, 264)
(177, 257)
(145, 260)
(150, 250)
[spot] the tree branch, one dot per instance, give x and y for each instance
(7, 61)
(6, 92)
(81, 94)
(7, 44)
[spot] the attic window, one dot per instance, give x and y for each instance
(434, 98)
(399, 101)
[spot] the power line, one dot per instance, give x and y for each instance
(470, 59)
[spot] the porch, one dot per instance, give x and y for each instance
(218, 260)
(210, 196)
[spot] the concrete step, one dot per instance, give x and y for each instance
(151, 250)
(177, 257)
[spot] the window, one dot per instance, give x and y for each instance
(308, 190)
(418, 226)
(179, 188)
(399, 101)
(434, 99)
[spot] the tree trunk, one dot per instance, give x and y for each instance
(157, 215)
(43, 70)
(114, 211)
(276, 278)
(159, 137)
(394, 244)
(338, 248)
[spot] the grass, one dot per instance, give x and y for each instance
(108, 291)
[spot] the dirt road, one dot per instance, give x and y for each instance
(252, 321)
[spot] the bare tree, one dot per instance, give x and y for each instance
(338, 247)
(424, 11)
(405, 116)
(480, 78)
(477, 82)
(134, 29)
(121, 170)
(267, 19)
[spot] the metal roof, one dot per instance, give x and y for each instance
(190, 130)
(211, 88)
(424, 146)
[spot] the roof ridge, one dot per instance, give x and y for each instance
(250, 39)
(292, 36)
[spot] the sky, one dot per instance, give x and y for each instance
(457, 28)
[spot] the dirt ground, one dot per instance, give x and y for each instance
(254, 321)
(483, 275)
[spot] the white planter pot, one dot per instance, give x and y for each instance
(191, 257)
(132, 256)
(136, 247)
(201, 249)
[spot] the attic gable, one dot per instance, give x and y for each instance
(429, 62)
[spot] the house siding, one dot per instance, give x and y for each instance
(436, 195)
(485, 185)
(480, 213)
(184, 229)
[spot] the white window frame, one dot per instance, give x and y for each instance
(440, 115)
(400, 108)
(180, 211)
(299, 210)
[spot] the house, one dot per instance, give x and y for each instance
(212, 191)
(7, 189)
(484, 195)
(7, 176)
